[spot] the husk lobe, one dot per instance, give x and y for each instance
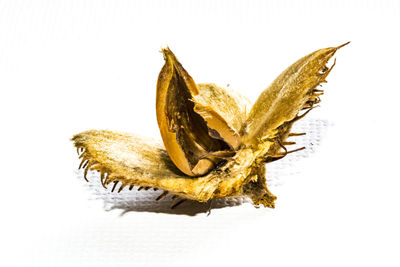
(287, 95)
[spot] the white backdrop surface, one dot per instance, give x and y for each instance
(70, 66)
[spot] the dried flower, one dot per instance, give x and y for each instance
(215, 144)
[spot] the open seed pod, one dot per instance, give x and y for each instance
(200, 124)
(203, 124)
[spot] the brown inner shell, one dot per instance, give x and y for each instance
(190, 139)
(192, 133)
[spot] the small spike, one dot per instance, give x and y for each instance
(115, 184)
(308, 108)
(340, 46)
(314, 99)
(102, 179)
(272, 158)
(288, 143)
(291, 151)
(269, 159)
(85, 173)
(163, 194)
(140, 188)
(325, 74)
(281, 145)
(299, 117)
(107, 180)
(315, 95)
(178, 203)
(85, 164)
(295, 150)
(209, 207)
(80, 165)
(122, 187)
(297, 134)
(131, 187)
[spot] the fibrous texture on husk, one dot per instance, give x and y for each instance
(215, 144)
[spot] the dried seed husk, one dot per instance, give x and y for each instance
(133, 160)
(196, 122)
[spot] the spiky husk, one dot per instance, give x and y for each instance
(132, 160)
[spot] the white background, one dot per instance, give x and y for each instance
(70, 66)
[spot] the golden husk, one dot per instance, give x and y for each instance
(133, 160)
